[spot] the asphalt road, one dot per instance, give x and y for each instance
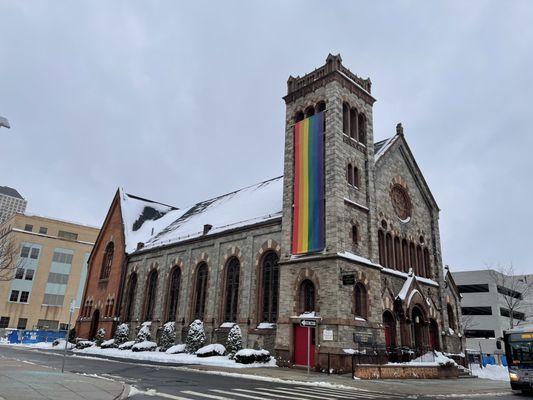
(161, 382)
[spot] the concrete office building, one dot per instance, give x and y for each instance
(50, 270)
(485, 312)
(11, 202)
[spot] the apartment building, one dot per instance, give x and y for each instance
(485, 310)
(48, 270)
(11, 202)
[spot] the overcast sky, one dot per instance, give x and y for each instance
(181, 101)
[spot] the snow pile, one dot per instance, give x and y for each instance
(250, 356)
(107, 344)
(195, 336)
(127, 345)
(144, 346)
(493, 372)
(166, 358)
(60, 344)
(353, 351)
(82, 344)
(211, 350)
(266, 325)
(176, 349)
(430, 359)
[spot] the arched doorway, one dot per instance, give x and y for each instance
(94, 324)
(389, 325)
(434, 334)
(418, 323)
(304, 337)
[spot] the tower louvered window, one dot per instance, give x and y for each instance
(270, 289)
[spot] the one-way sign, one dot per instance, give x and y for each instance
(310, 323)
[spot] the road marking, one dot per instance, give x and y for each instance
(206, 395)
(356, 393)
(277, 396)
(152, 392)
(283, 390)
(328, 392)
(237, 394)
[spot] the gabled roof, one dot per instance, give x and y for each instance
(8, 191)
(382, 146)
(156, 224)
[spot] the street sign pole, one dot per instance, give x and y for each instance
(71, 311)
(308, 349)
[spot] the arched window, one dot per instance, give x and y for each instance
(362, 128)
(201, 291)
(107, 261)
(320, 106)
(355, 234)
(390, 251)
(130, 299)
(270, 287)
(307, 296)
(309, 111)
(173, 294)
(356, 181)
(360, 298)
(451, 317)
(346, 118)
(151, 286)
(405, 254)
(412, 254)
(420, 261)
(232, 290)
(353, 123)
(298, 116)
(427, 263)
(381, 247)
(397, 254)
(349, 174)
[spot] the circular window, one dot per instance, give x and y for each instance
(401, 202)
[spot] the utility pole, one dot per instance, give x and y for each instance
(71, 311)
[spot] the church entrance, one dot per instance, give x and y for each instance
(389, 325)
(94, 324)
(301, 340)
(418, 323)
(434, 334)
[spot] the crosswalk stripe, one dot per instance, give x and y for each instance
(341, 392)
(336, 393)
(292, 392)
(277, 395)
(237, 394)
(206, 395)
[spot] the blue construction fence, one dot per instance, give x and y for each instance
(34, 336)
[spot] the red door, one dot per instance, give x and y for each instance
(388, 341)
(301, 345)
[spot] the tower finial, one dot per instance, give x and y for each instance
(399, 129)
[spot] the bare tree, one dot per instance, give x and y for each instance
(9, 257)
(514, 289)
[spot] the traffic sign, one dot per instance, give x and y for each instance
(310, 323)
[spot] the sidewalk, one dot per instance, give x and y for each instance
(21, 380)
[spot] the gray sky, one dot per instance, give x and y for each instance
(180, 101)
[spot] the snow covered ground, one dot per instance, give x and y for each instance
(218, 361)
(493, 372)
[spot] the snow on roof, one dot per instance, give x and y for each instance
(248, 206)
(382, 146)
(142, 218)
(406, 286)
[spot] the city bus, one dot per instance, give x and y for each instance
(519, 351)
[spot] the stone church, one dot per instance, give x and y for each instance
(346, 240)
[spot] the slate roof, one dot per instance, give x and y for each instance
(10, 192)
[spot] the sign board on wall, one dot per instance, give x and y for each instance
(348, 279)
(327, 335)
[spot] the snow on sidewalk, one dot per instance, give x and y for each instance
(493, 372)
(182, 358)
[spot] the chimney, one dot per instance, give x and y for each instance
(207, 228)
(140, 245)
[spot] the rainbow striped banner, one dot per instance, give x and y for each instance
(308, 217)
